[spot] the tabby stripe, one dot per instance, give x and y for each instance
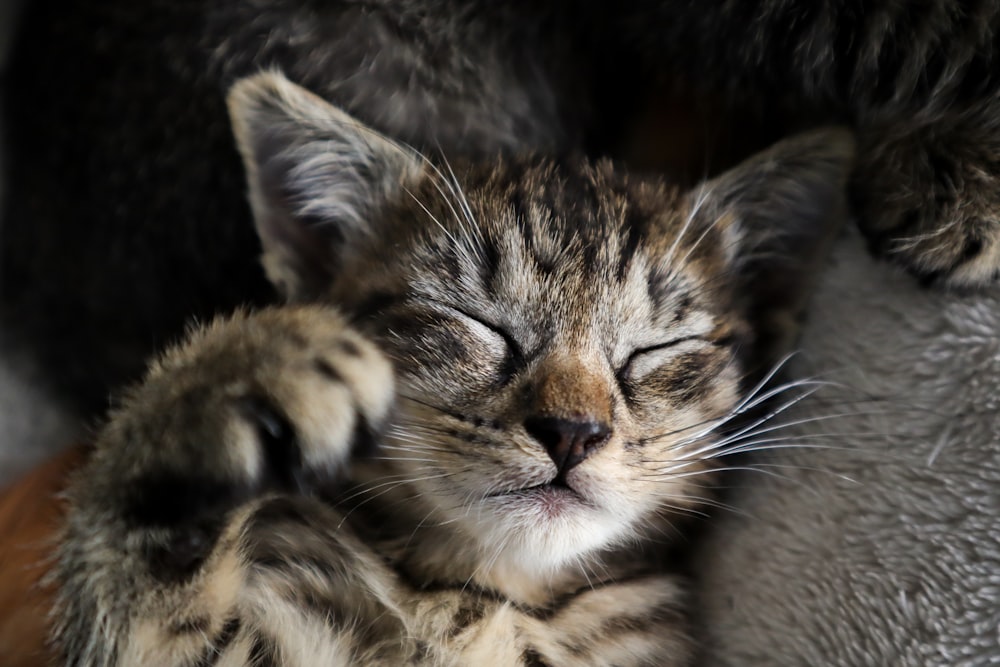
(348, 347)
(547, 612)
(279, 443)
(219, 644)
(166, 499)
(364, 440)
(658, 287)
(324, 368)
(490, 266)
(635, 228)
(531, 658)
(278, 510)
(198, 625)
(263, 651)
(465, 617)
(289, 568)
(682, 308)
(617, 629)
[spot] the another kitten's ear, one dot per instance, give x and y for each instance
(318, 178)
(781, 209)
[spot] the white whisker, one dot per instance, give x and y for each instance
(700, 200)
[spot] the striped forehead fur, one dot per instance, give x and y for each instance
(528, 288)
(558, 225)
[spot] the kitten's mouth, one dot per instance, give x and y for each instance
(554, 486)
(552, 497)
(557, 485)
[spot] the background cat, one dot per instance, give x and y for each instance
(918, 80)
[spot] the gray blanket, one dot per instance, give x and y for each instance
(874, 539)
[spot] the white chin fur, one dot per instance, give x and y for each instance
(520, 535)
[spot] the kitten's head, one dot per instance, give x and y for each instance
(569, 339)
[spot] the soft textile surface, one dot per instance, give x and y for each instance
(879, 544)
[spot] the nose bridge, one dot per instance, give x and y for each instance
(570, 410)
(572, 386)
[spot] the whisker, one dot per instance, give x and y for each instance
(795, 422)
(747, 404)
(423, 402)
(703, 193)
(389, 482)
(767, 444)
(714, 471)
(763, 382)
(463, 201)
(694, 246)
(745, 430)
(443, 229)
(750, 428)
(400, 458)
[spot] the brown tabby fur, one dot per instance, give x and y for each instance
(476, 456)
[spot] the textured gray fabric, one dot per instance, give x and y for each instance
(880, 544)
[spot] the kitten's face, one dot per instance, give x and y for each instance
(566, 337)
(561, 343)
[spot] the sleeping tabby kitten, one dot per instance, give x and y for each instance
(919, 80)
(475, 452)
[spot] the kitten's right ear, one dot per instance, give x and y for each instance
(318, 179)
(779, 211)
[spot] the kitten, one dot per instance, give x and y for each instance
(475, 452)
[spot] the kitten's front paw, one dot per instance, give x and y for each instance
(275, 401)
(928, 197)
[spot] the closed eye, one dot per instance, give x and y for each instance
(514, 359)
(647, 359)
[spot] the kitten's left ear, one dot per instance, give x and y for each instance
(780, 210)
(319, 180)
